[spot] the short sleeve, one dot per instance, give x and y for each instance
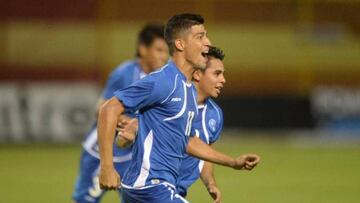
(146, 92)
(116, 81)
(219, 128)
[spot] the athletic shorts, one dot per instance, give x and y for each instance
(161, 193)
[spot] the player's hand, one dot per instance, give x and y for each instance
(214, 193)
(109, 179)
(127, 129)
(122, 121)
(246, 161)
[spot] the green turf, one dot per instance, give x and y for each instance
(291, 171)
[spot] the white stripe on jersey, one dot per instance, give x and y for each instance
(175, 84)
(118, 159)
(201, 165)
(195, 102)
(161, 69)
(183, 107)
(204, 125)
(91, 141)
(197, 133)
(145, 166)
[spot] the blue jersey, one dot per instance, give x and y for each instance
(167, 106)
(208, 126)
(123, 76)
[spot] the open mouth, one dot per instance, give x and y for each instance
(204, 54)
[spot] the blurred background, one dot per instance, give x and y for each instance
(292, 92)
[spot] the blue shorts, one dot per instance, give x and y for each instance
(161, 193)
(181, 191)
(87, 188)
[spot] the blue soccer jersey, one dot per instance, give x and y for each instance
(123, 76)
(167, 106)
(208, 126)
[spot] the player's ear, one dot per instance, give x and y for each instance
(142, 50)
(197, 75)
(179, 44)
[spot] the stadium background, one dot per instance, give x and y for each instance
(292, 92)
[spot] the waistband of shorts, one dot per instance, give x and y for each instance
(149, 186)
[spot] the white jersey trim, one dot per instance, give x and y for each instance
(204, 125)
(175, 84)
(149, 186)
(91, 141)
(145, 166)
(201, 165)
(158, 71)
(195, 102)
(183, 107)
(117, 159)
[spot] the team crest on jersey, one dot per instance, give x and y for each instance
(212, 125)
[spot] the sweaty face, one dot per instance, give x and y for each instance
(196, 46)
(212, 80)
(157, 54)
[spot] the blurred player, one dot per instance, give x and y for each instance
(152, 53)
(167, 105)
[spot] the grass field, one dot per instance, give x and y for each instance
(292, 170)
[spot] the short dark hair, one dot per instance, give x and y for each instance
(178, 24)
(148, 34)
(216, 53)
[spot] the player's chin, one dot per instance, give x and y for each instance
(202, 62)
(215, 94)
(201, 65)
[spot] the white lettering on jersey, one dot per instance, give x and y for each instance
(176, 99)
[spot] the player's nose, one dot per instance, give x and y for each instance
(222, 79)
(207, 41)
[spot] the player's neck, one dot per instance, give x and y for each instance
(185, 67)
(144, 66)
(201, 96)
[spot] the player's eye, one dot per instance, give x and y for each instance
(200, 36)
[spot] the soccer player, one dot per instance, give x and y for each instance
(167, 105)
(152, 53)
(208, 124)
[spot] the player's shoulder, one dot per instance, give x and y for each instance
(214, 108)
(125, 67)
(164, 76)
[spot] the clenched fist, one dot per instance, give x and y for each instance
(246, 161)
(109, 179)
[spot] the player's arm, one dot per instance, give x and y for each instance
(124, 140)
(199, 149)
(207, 177)
(99, 103)
(109, 113)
